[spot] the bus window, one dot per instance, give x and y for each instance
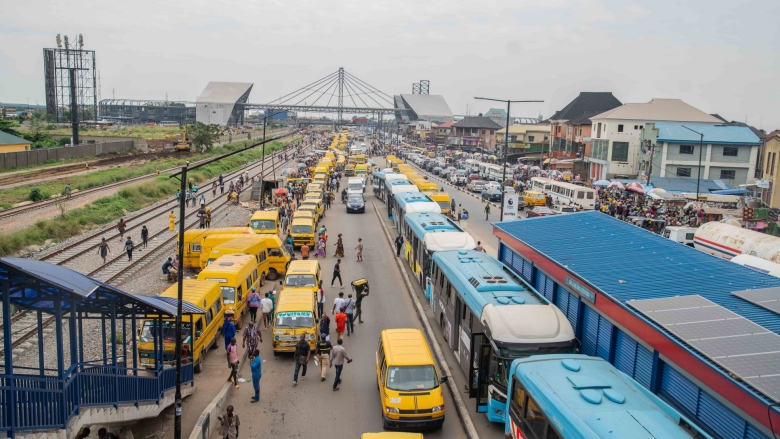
(518, 398)
(551, 434)
(590, 195)
(209, 317)
(534, 419)
(198, 328)
(580, 194)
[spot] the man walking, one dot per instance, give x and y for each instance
(320, 299)
(232, 358)
(338, 354)
(338, 302)
(257, 373)
(399, 241)
(337, 273)
(268, 306)
(129, 246)
(487, 211)
(325, 325)
(359, 303)
(103, 249)
(228, 424)
(323, 355)
(302, 353)
(144, 235)
(254, 300)
(121, 227)
(304, 252)
(252, 337)
(349, 304)
(341, 322)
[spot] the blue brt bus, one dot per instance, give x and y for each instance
(579, 397)
(489, 319)
(411, 202)
(427, 232)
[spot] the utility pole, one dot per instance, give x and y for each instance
(650, 166)
(701, 147)
(506, 146)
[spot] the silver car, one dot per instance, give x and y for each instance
(475, 185)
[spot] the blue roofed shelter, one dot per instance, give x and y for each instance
(728, 152)
(596, 268)
(48, 396)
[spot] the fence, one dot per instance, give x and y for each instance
(21, 159)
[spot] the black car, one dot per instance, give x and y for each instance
(493, 195)
(356, 203)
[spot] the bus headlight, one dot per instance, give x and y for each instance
(277, 338)
(392, 410)
(437, 408)
(497, 396)
(312, 336)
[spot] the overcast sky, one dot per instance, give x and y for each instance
(720, 56)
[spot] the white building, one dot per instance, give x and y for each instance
(217, 104)
(617, 133)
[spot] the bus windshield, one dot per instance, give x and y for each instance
(504, 361)
(294, 320)
(301, 229)
(444, 204)
(151, 330)
(355, 186)
(229, 295)
(410, 378)
(263, 224)
(300, 280)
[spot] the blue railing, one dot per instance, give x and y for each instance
(30, 402)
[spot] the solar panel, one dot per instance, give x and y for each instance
(747, 350)
(768, 298)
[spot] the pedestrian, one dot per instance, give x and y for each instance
(349, 305)
(221, 188)
(359, 250)
(337, 273)
(202, 199)
(460, 212)
(359, 304)
(325, 324)
(399, 241)
(169, 269)
(121, 227)
(257, 372)
(144, 235)
(338, 302)
(129, 246)
(302, 353)
(322, 354)
(202, 217)
(341, 322)
(338, 354)
(103, 249)
(254, 302)
(483, 193)
(268, 306)
(67, 192)
(171, 221)
(232, 358)
(252, 337)
(228, 329)
(228, 424)
(304, 252)
(340, 247)
(487, 211)
(320, 298)
(479, 247)
(208, 217)
(320, 247)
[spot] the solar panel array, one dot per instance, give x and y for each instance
(747, 350)
(768, 298)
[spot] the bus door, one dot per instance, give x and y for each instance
(478, 370)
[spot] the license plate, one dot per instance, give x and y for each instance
(288, 343)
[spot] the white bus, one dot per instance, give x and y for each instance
(565, 194)
(496, 173)
(472, 165)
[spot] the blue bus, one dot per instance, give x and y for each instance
(489, 319)
(381, 181)
(411, 202)
(576, 396)
(427, 232)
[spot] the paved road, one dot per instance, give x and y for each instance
(312, 409)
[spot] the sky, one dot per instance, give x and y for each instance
(719, 56)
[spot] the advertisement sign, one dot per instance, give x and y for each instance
(510, 206)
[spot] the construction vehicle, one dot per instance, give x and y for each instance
(185, 144)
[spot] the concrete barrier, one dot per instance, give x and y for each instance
(35, 157)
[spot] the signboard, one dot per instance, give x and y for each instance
(582, 290)
(510, 206)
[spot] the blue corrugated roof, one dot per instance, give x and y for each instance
(687, 185)
(626, 262)
(714, 134)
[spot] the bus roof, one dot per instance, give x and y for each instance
(194, 291)
(404, 198)
(482, 280)
(242, 241)
(406, 347)
(265, 214)
(302, 267)
(587, 397)
(229, 264)
(447, 240)
(295, 300)
(430, 222)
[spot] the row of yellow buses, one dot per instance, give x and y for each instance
(430, 188)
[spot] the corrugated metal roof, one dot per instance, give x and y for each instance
(715, 134)
(10, 139)
(671, 110)
(429, 106)
(680, 184)
(224, 92)
(626, 262)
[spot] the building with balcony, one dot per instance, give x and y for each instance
(570, 128)
(525, 141)
(617, 133)
(475, 133)
(728, 153)
(770, 195)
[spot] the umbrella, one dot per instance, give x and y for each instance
(601, 183)
(635, 187)
(555, 172)
(616, 184)
(534, 168)
(492, 157)
(288, 171)
(281, 191)
(567, 174)
(301, 165)
(657, 190)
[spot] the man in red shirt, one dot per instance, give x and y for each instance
(341, 322)
(305, 252)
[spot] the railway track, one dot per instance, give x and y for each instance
(25, 327)
(14, 211)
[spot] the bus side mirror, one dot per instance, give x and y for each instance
(443, 379)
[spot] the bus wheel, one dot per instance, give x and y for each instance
(199, 364)
(262, 279)
(216, 342)
(272, 274)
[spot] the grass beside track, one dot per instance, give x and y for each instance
(8, 197)
(108, 209)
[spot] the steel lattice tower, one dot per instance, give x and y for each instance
(341, 95)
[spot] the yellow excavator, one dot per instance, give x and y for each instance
(185, 144)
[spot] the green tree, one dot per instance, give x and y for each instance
(203, 136)
(9, 126)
